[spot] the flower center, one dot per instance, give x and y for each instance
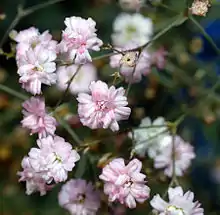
(38, 68)
(131, 29)
(57, 158)
(81, 198)
(102, 105)
(173, 210)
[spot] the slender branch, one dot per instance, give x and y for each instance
(21, 13)
(13, 92)
(68, 86)
(210, 40)
(67, 127)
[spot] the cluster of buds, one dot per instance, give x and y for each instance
(200, 7)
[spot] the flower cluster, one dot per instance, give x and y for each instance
(78, 38)
(36, 118)
(155, 139)
(104, 107)
(50, 162)
(35, 55)
(179, 203)
(125, 183)
(79, 197)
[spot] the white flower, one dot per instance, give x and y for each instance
(80, 83)
(131, 28)
(179, 203)
(184, 153)
(149, 139)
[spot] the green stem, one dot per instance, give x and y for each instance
(13, 92)
(210, 40)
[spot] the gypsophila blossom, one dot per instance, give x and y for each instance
(131, 66)
(125, 183)
(79, 197)
(158, 58)
(131, 28)
(35, 181)
(78, 38)
(36, 119)
(81, 81)
(37, 67)
(183, 154)
(54, 156)
(147, 137)
(104, 107)
(49, 163)
(30, 38)
(131, 4)
(200, 7)
(179, 203)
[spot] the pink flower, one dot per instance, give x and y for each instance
(36, 119)
(184, 153)
(54, 157)
(80, 84)
(179, 203)
(78, 38)
(79, 198)
(140, 66)
(37, 66)
(158, 58)
(34, 180)
(125, 183)
(30, 38)
(104, 107)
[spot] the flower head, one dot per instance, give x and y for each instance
(200, 7)
(35, 67)
(78, 38)
(104, 107)
(131, 66)
(149, 139)
(125, 183)
(30, 38)
(179, 203)
(80, 84)
(79, 197)
(184, 153)
(54, 157)
(131, 4)
(129, 29)
(36, 119)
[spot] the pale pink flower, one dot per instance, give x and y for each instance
(81, 81)
(79, 197)
(158, 58)
(78, 38)
(37, 66)
(30, 38)
(104, 107)
(178, 204)
(140, 66)
(184, 153)
(36, 118)
(125, 183)
(34, 180)
(54, 157)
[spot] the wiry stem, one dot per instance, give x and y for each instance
(21, 13)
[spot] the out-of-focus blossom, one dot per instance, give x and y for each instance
(104, 107)
(78, 38)
(178, 204)
(37, 67)
(79, 197)
(131, 4)
(34, 180)
(36, 118)
(80, 83)
(131, 28)
(54, 156)
(30, 38)
(147, 137)
(125, 183)
(200, 7)
(131, 66)
(184, 153)
(158, 58)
